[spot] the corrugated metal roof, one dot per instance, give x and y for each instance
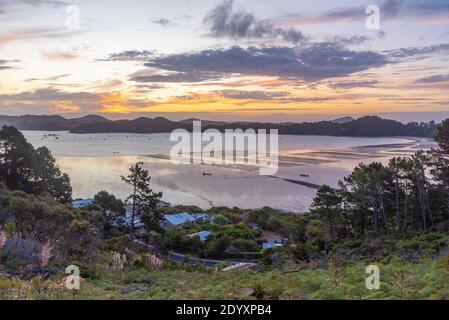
(203, 217)
(179, 218)
(202, 234)
(82, 203)
(270, 245)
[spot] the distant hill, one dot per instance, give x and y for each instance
(49, 123)
(343, 120)
(370, 126)
(203, 122)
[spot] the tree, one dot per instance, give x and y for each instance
(327, 204)
(49, 178)
(73, 233)
(16, 156)
(143, 200)
(421, 184)
(33, 171)
(441, 159)
(112, 210)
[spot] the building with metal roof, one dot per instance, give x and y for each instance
(203, 235)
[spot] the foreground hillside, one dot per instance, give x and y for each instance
(425, 280)
(383, 234)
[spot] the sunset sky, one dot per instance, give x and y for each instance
(255, 60)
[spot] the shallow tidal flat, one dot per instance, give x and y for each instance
(96, 162)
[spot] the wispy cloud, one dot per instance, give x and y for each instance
(418, 52)
(354, 84)
(50, 100)
(39, 3)
(52, 78)
(59, 56)
(6, 4)
(35, 33)
(389, 9)
(251, 95)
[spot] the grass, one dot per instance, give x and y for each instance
(428, 279)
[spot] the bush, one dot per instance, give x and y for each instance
(28, 251)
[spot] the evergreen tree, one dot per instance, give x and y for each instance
(112, 210)
(327, 204)
(142, 199)
(33, 171)
(441, 160)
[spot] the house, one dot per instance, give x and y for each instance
(81, 203)
(203, 217)
(178, 220)
(203, 235)
(276, 243)
(162, 204)
(128, 217)
(270, 245)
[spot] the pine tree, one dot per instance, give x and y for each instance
(143, 200)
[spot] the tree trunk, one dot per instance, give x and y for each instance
(133, 213)
(398, 212)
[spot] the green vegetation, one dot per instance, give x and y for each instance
(427, 279)
(395, 217)
(32, 170)
(143, 200)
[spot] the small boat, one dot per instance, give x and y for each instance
(207, 174)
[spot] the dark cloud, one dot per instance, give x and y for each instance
(5, 64)
(130, 55)
(354, 84)
(350, 40)
(188, 76)
(391, 8)
(419, 51)
(434, 79)
(163, 22)
(314, 62)
(47, 94)
(53, 78)
(152, 86)
(224, 22)
(427, 7)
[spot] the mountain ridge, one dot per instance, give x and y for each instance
(367, 126)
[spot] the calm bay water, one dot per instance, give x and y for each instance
(95, 162)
